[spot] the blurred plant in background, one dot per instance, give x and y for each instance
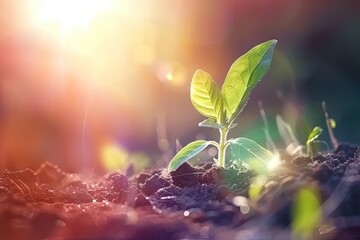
(79, 76)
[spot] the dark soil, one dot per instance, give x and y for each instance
(204, 202)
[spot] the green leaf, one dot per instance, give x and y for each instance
(244, 74)
(315, 133)
(205, 95)
(247, 151)
(211, 123)
(186, 153)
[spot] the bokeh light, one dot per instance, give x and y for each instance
(114, 157)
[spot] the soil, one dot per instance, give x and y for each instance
(203, 202)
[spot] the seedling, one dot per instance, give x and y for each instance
(315, 133)
(222, 107)
(293, 146)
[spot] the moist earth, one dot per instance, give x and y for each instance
(203, 202)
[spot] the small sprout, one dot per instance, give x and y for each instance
(293, 147)
(315, 133)
(222, 106)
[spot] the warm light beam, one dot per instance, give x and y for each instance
(70, 14)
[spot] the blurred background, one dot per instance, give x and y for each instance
(93, 85)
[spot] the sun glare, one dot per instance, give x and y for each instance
(70, 14)
(274, 163)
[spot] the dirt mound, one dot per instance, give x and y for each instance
(204, 202)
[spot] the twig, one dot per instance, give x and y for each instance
(333, 139)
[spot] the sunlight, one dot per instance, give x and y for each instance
(71, 14)
(274, 163)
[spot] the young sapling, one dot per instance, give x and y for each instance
(221, 107)
(315, 133)
(293, 146)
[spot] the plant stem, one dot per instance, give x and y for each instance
(308, 148)
(333, 139)
(222, 146)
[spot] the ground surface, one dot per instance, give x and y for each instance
(202, 202)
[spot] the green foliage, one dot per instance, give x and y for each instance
(222, 107)
(243, 76)
(292, 144)
(210, 123)
(205, 95)
(315, 133)
(186, 153)
(251, 153)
